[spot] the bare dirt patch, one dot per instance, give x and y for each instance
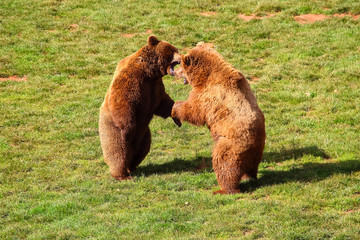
(14, 79)
(73, 27)
(208, 14)
(341, 15)
(311, 18)
(247, 18)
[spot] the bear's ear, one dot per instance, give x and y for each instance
(152, 40)
(200, 44)
(187, 60)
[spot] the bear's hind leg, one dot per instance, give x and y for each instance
(250, 174)
(228, 178)
(251, 160)
(143, 148)
(116, 148)
(227, 169)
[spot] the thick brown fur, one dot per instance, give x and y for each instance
(135, 94)
(222, 99)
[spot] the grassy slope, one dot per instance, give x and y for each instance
(54, 183)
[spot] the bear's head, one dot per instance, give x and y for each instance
(166, 56)
(197, 65)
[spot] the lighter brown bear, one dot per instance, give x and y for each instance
(222, 99)
(135, 94)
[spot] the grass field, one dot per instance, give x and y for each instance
(54, 183)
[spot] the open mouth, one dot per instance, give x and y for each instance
(172, 67)
(178, 73)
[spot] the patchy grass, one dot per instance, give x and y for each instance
(54, 183)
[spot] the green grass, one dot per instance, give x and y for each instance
(54, 183)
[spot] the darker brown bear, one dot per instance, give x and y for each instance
(222, 99)
(135, 94)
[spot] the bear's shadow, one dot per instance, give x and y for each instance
(308, 172)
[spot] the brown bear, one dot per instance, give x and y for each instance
(135, 94)
(222, 99)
